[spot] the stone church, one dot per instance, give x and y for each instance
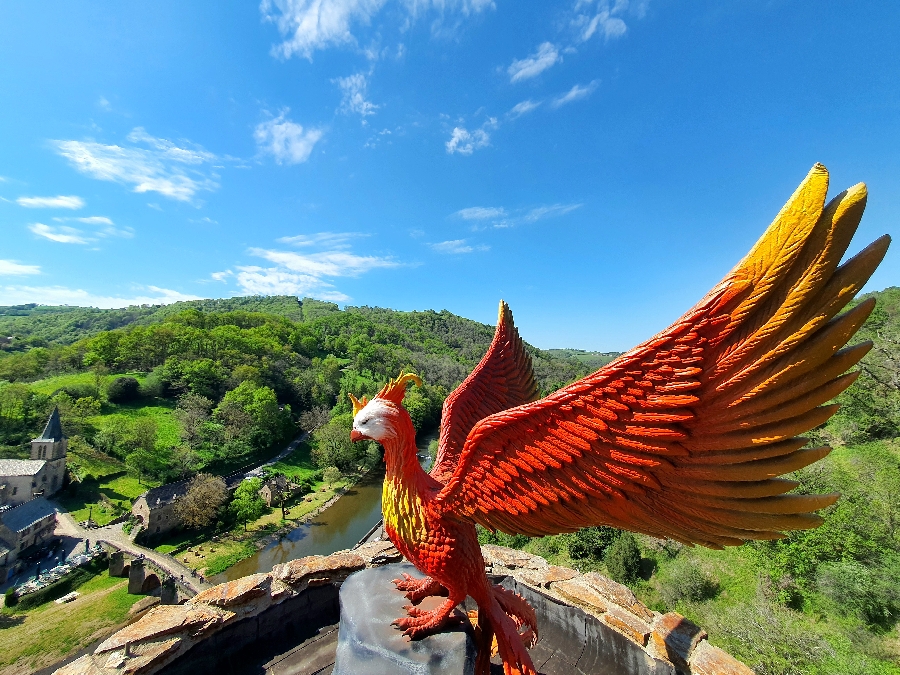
(21, 480)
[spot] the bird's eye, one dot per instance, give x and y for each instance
(365, 421)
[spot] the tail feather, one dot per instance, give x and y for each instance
(522, 614)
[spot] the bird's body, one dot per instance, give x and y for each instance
(683, 437)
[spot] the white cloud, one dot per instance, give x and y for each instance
(481, 212)
(545, 57)
(333, 239)
(541, 212)
(95, 220)
(465, 142)
(222, 276)
(61, 234)
(353, 100)
(59, 202)
(503, 218)
(308, 25)
(61, 295)
(457, 246)
(167, 168)
(576, 93)
(523, 108)
(275, 281)
(606, 19)
(326, 263)
(286, 140)
(103, 103)
(109, 229)
(13, 268)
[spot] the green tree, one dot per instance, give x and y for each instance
(122, 390)
(623, 559)
(331, 475)
(202, 502)
(332, 446)
(247, 505)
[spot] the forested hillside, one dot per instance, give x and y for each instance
(211, 383)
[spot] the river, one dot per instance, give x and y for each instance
(338, 527)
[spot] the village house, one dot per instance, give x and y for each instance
(274, 488)
(155, 509)
(23, 528)
(21, 480)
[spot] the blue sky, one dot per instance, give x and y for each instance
(599, 165)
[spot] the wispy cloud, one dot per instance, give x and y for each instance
(353, 95)
(62, 295)
(541, 212)
(254, 280)
(465, 142)
(309, 25)
(285, 140)
(62, 234)
(58, 202)
(94, 220)
(604, 20)
(456, 246)
(173, 170)
(576, 93)
(481, 212)
(332, 239)
(503, 218)
(12, 268)
(545, 57)
(325, 264)
(104, 227)
(308, 273)
(523, 108)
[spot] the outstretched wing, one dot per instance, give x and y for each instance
(504, 379)
(685, 436)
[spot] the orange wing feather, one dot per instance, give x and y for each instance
(503, 379)
(685, 436)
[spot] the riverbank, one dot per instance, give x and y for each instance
(211, 554)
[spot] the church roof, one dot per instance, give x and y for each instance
(53, 430)
(20, 467)
(27, 514)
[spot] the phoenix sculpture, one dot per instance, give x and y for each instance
(683, 437)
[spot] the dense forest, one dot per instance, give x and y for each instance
(236, 377)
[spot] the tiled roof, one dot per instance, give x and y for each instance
(20, 467)
(27, 514)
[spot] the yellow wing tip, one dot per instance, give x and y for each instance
(504, 315)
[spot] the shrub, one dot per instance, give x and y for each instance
(592, 542)
(10, 598)
(331, 475)
(122, 390)
(870, 593)
(623, 559)
(686, 581)
(485, 536)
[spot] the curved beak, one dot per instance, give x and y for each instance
(358, 436)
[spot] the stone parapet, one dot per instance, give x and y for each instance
(248, 609)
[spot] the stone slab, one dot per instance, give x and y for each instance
(369, 645)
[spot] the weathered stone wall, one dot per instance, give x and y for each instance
(588, 623)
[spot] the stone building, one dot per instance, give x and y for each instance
(22, 480)
(25, 526)
(273, 489)
(156, 507)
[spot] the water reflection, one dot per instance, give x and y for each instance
(339, 527)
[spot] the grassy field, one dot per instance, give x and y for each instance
(167, 428)
(298, 465)
(120, 490)
(38, 638)
(51, 385)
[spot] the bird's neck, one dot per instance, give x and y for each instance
(400, 452)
